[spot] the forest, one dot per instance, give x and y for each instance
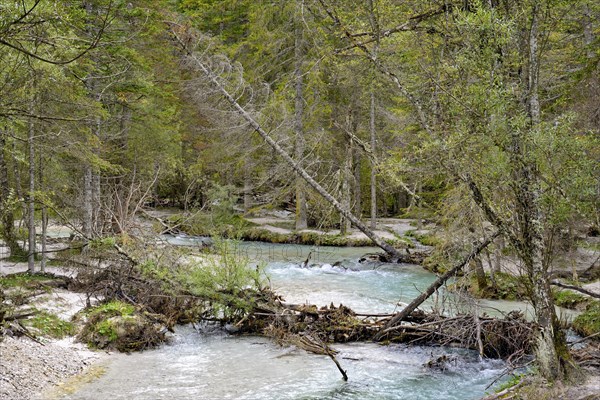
(477, 122)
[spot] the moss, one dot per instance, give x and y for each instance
(50, 325)
(428, 239)
(571, 300)
(507, 287)
(113, 307)
(513, 381)
(588, 323)
(24, 279)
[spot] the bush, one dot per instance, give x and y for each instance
(226, 280)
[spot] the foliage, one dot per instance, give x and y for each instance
(226, 279)
(25, 280)
(514, 380)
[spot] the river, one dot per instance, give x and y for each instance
(209, 364)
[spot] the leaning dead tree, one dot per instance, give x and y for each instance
(389, 326)
(185, 40)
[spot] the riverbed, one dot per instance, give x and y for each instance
(202, 363)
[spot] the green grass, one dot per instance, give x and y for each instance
(570, 300)
(50, 325)
(588, 323)
(23, 279)
(113, 307)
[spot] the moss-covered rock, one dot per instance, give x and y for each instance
(118, 325)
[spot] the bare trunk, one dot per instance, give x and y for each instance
(6, 211)
(31, 197)
(373, 132)
(477, 266)
(356, 189)
(88, 211)
(283, 154)
(301, 214)
(346, 176)
(247, 189)
(44, 216)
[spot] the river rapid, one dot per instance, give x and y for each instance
(206, 363)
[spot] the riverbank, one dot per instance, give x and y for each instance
(29, 368)
(60, 301)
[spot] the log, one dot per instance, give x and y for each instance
(434, 286)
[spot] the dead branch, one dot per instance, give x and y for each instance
(576, 288)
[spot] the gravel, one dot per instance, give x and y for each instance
(27, 368)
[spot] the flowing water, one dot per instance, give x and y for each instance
(213, 365)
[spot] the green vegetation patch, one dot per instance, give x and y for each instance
(503, 287)
(571, 300)
(24, 279)
(119, 325)
(588, 323)
(50, 325)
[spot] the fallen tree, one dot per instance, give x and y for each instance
(185, 38)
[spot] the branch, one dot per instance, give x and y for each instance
(384, 70)
(95, 42)
(576, 288)
(411, 25)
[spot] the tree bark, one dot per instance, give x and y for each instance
(301, 212)
(373, 182)
(6, 210)
(44, 216)
(31, 194)
(346, 177)
(551, 349)
(280, 151)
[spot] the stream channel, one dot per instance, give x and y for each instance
(215, 365)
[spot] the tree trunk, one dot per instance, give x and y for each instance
(346, 177)
(44, 216)
(477, 267)
(88, 211)
(373, 182)
(356, 188)
(247, 189)
(31, 195)
(283, 154)
(301, 214)
(6, 208)
(551, 348)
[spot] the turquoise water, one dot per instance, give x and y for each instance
(212, 365)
